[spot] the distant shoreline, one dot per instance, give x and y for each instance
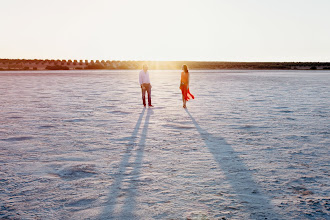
(38, 64)
(39, 70)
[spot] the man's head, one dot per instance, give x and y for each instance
(145, 67)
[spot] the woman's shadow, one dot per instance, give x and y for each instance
(238, 175)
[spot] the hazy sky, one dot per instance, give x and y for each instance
(221, 30)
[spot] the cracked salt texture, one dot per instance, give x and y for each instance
(80, 145)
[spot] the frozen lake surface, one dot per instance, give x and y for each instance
(80, 145)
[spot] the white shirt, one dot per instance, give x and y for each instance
(144, 77)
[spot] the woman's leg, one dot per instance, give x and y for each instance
(184, 96)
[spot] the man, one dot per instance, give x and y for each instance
(145, 85)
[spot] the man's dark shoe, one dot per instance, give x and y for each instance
(144, 105)
(151, 106)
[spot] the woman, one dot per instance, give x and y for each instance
(184, 85)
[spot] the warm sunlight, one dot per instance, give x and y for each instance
(164, 109)
(166, 30)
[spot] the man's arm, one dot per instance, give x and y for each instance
(140, 79)
(149, 80)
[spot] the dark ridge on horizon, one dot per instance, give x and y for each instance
(45, 64)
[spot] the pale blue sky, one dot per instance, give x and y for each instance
(221, 30)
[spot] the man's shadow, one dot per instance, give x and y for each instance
(238, 175)
(130, 192)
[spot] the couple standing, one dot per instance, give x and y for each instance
(146, 86)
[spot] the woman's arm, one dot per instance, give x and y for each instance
(181, 80)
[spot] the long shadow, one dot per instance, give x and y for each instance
(238, 175)
(130, 201)
(115, 189)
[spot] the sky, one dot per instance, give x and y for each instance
(196, 30)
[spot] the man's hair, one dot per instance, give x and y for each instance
(144, 65)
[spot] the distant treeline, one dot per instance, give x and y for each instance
(38, 64)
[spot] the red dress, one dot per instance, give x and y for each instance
(184, 86)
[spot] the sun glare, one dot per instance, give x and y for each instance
(166, 30)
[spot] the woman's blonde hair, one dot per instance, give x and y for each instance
(185, 68)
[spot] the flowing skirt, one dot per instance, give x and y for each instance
(186, 93)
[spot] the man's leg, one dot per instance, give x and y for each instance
(143, 96)
(149, 95)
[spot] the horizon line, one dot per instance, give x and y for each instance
(220, 61)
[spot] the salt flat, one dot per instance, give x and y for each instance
(80, 145)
